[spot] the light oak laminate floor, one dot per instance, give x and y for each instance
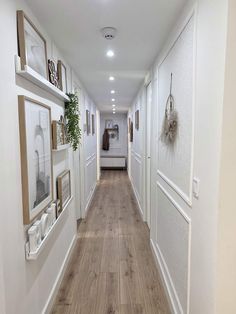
(112, 269)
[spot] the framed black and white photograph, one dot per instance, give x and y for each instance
(64, 188)
(62, 76)
(88, 126)
(36, 157)
(32, 46)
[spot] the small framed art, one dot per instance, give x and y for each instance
(137, 120)
(64, 188)
(93, 125)
(32, 46)
(88, 127)
(58, 134)
(62, 76)
(53, 74)
(36, 157)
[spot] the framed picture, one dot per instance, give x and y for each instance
(31, 45)
(63, 188)
(93, 125)
(36, 157)
(62, 76)
(131, 132)
(52, 72)
(137, 119)
(129, 121)
(58, 134)
(108, 124)
(88, 122)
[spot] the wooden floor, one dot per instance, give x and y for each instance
(112, 269)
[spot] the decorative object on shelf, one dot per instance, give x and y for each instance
(72, 115)
(170, 123)
(93, 125)
(108, 124)
(53, 75)
(36, 157)
(137, 119)
(64, 188)
(59, 136)
(49, 211)
(45, 224)
(54, 216)
(58, 208)
(31, 45)
(62, 76)
(131, 131)
(32, 233)
(39, 231)
(88, 127)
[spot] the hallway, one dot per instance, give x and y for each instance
(112, 269)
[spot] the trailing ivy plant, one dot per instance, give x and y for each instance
(72, 115)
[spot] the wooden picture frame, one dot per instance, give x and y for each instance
(93, 124)
(64, 188)
(36, 157)
(88, 127)
(62, 76)
(52, 73)
(137, 119)
(32, 46)
(58, 134)
(131, 131)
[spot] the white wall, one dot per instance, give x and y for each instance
(119, 147)
(28, 285)
(184, 229)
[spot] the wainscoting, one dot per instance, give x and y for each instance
(90, 178)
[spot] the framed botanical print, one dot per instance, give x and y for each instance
(58, 134)
(64, 188)
(88, 122)
(93, 125)
(62, 76)
(31, 45)
(137, 119)
(36, 157)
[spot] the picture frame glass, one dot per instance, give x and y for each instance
(35, 49)
(39, 162)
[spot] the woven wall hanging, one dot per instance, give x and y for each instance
(170, 123)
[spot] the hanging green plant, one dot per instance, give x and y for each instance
(72, 115)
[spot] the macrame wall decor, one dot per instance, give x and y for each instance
(170, 123)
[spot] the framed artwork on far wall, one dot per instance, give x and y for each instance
(64, 188)
(62, 76)
(93, 125)
(32, 46)
(36, 157)
(88, 127)
(137, 119)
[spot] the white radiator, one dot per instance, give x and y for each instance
(113, 162)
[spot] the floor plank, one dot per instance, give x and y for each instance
(112, 270)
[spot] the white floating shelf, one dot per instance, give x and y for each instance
(61, 147)
(29, 74)
(34, 255)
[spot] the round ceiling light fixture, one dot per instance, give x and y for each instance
(111, 78)
(110, 53)
(109, 33)
(112, 92)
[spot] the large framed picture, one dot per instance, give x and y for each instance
(62, 76)
(31, 45)
(88, 122)
(36, 157)
(64, 188)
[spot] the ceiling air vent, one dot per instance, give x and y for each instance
(109, 32)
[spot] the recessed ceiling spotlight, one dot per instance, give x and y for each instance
(114, 112)
(113, 105)
(112, 92)
(110, 53)
(111, 78)
(113, 99)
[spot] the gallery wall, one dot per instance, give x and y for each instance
(184, 227)
(118, 147)
(30, 285)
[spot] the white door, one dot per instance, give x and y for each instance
(148, 153)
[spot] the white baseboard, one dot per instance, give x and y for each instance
(168, 285)
(137, 199)
(90, 198)
(49, 304)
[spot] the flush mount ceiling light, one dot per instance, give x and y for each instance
(110, 53)
(109, 33)
(113, 105)
(111, 78)
(113, 99)
(112, 92)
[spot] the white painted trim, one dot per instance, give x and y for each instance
(188, 220)
(137, 198)
(51, 299)
(90, 198)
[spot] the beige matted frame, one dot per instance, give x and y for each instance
(55, 125)
(59, 189)
(21, 40)
(28, 217)
(61, 65)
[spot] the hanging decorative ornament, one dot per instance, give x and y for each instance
(170, 123)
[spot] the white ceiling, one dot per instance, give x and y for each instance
(142, 27)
